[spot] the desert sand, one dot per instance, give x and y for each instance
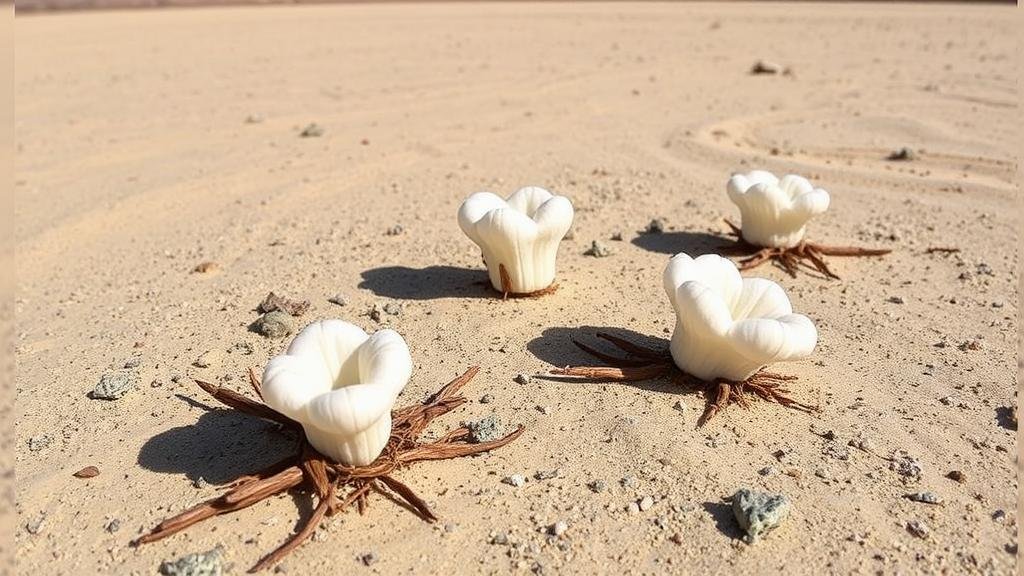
(149, 142)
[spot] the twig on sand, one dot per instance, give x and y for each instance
(326, 479)
(810, 255)
(642, 363)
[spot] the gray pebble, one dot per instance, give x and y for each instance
(393, 308)
(368, 559)
(394, 230)
(515, 480)
(768, 471)
(546, 474)
(522, 379)
(925, 497)
(598, 250)
(312, 130)
(629, 482)
(202, 564)
(646, 503)
(499, 538)
(41, 442)
(275, 324)
(487, 399)
(114, 385)
(558, 528)
(759, 512)
(35, 525)
(906, 466)
(133, 362)
(486, 429)
(113, 526)
(338, 299)
(895, 300)
(918, 528)
(597, 486)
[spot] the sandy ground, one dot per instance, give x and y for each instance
(136, 162)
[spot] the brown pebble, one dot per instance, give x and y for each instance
(958, 476)
(677, 538)
(204, 267)
(794, 472)
(87, 472)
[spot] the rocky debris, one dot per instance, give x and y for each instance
(768, 471)
(597, 486)
(680, 407)
(201, 564)
(87, 472)
(207, 359)
(759, 512)
(903, 154)
(133, 362)
(39, 443)
(486, 429)
(368, 559)
(312, 130)
(546, 474)
(655, 226)
(487, 399)
(499, 538)
(957, 476)
(395, 230)
(676, 538)
(895, 300)
(522, 379)
(393, 308)
(925, 497)
(338, 300)
(765, 67)
(967, 345)
(113, 385)
(633, 507)
(274, 302)
(276, 324)
(35, 525)
(558, 528)
(905, 465)
(645, 503)
(205, 267)
(514, 480)
(243, 348)
(598, 250)
(918, 528)
(200, 483)
(629, 482)
(113, 526)
(999, 516)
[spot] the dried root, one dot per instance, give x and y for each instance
(506, 287)
(328, 479)
(809, 255)
(642, 363)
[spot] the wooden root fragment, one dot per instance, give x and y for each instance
(642, 363)
(809, 255)
(326, 479)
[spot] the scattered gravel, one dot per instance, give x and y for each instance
(276, 324)
(40, 442)
(114, 385)
(202, 564)
(274, 302)
(759, 512)
(907, 466)
(486, 429)
(598, 250)
(925, 497)
(515, 480)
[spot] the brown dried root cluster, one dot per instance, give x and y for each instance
(810, 255)
(642, 363)
(506, 287)
(328, 480)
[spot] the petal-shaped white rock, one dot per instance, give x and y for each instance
(340, 384)
(728, 326)
(774, 213)
(521, 234)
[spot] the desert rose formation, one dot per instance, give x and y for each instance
(728, 326)
(775, 212)
(519, 237)
(340, 384)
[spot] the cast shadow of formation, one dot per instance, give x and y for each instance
(692, 243)
(221, 446)
(555, 346)
(725, 520)
(432, 282)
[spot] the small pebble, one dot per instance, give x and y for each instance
(655, 226)
(895, 300)
(765, 67)
(616, 236)
(35, 525)
(546, 474)
(368, 559)
(338, 300)
(901, 155)
(276, 324)
(522, 379)
(918, 528)
(395, 230)
(597, 486)
(925, 497)
(311, 131)
(114, 385)
(499, 538)
(515, 480)
(393, 308)
(133, 362)
(759, 512)
(558, 528)
(629, 482)
(113, 526)
(487, 399)
(646, 503)
(598, 250)
(957, 476)
(207, 359)
(203, 564)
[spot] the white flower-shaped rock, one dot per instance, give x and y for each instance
(775, 212)
(728, 326)
(520, 235)
(340, 384)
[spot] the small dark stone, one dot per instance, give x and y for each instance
(765, 67)
(312, 130)
(901, 155)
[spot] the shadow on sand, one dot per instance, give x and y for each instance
(432, 282)
(555, 346)
(725, 521)
(693, 243)
(219, 447)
